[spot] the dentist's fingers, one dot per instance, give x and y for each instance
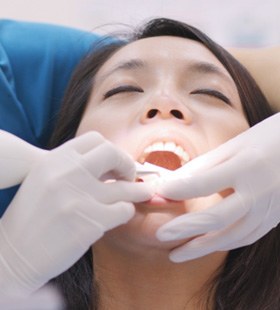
(105, 216)
(210, 159)
(212, 242)
(108, 158)
(127, 191)
(223, 214)
(250, 235)
(206, 161)
(212, 181)
(201, 246)
(120, 213)
(84, 143)
(191, 250)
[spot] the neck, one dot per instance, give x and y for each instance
(135, 281)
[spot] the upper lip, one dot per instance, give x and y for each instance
(166, 135)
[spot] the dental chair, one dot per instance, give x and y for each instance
(36, 62)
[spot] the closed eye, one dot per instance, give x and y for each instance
(122, 89)
(212, 93)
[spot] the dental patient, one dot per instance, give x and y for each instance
(165, 95)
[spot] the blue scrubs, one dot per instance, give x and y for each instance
(36, 62)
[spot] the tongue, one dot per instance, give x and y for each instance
(165, 159)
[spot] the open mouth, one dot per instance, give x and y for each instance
(168, 155)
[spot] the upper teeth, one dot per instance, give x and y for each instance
(167, 146)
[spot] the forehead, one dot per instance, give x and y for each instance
(164, 50)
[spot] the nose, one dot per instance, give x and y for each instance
(164, 107)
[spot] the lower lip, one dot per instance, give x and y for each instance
(157, 200)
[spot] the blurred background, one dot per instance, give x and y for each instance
(245, 23)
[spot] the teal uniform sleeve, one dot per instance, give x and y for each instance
(36, 62)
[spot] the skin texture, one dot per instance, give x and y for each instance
(164, 74)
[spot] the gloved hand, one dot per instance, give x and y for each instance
(62, 208)
(248, 163)
(16, 159)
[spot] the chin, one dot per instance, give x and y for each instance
(139, 234)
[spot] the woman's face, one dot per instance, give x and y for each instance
(166, 100)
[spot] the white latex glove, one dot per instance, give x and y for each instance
(16, 159)
(248, 163)
(46, 298)
(62, 208)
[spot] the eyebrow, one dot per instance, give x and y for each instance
(130, 65)
(201, 67)
(208, 68)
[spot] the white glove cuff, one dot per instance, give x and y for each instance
(16, 279)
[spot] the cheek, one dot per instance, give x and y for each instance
(224, 128)
(110, 124)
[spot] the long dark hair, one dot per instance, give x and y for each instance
(250, 277)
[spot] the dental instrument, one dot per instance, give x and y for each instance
(150, 169)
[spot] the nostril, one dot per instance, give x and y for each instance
(177, 114)
(152, 113)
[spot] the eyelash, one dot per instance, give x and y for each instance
(129, 88)
(122, 89)
(212, 93)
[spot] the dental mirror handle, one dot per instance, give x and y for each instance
(148, 168)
